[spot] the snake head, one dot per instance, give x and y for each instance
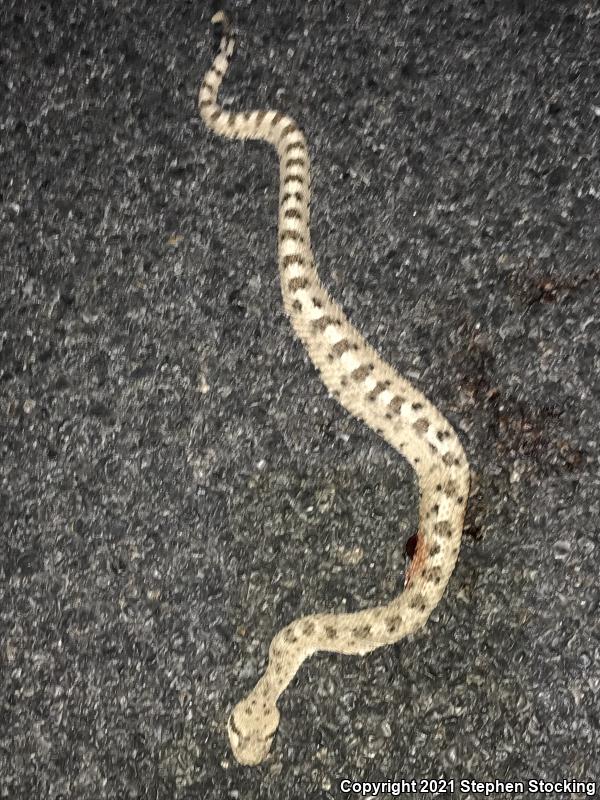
(251, 728)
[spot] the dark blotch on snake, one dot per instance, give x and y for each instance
(418, 602)
(290, 233)
(377, 390)
(295, 284)
(443, 529)
(360, 373)
(290, 178)
(339, 348)
(288, 261)
(393, 624)
(294, 146)
(323, 322)
(289, 195)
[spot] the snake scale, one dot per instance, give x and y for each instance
(369, 389)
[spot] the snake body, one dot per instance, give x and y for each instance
(369, 389)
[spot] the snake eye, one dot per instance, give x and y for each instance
(234, 727)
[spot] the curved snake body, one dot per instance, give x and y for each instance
(369, 389)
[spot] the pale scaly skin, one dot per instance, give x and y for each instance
(369, 389)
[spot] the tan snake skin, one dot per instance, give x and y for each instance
(369, 389)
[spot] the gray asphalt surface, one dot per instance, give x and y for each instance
(175, 485)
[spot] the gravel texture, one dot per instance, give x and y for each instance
(175, 485)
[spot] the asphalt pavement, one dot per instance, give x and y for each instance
(175, 483)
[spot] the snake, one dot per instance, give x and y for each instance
(369, 389)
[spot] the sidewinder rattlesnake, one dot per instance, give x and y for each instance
(369, 389)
